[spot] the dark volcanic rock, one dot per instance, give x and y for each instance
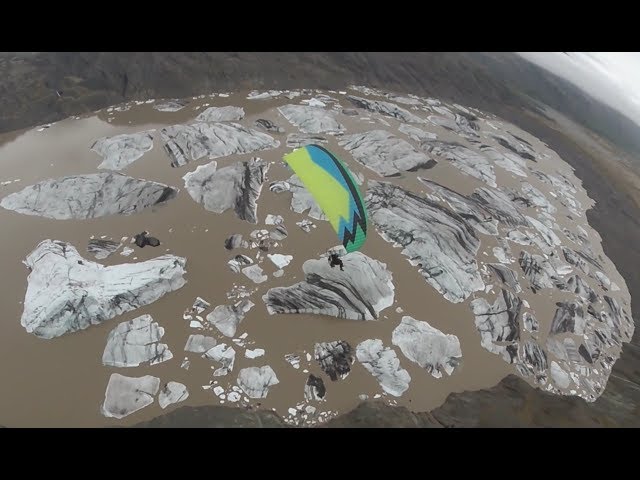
(143, 239)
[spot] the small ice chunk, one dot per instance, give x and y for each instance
(274, 220)
(258, 352)
(218, 390)
(200, 305)
(255, 274)
(293, 359)
(173, 392)
(280, 260)
(223, 354)
(305, 225)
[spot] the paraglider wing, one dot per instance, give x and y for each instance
(335, 192)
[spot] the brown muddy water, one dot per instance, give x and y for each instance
(61, 382)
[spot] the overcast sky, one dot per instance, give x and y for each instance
(613, 77)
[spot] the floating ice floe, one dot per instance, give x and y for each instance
(434, 238)
(519, 148)
(297, 140)
(237, 263)
(467, 207)
(510, 162)
(186, 143)
(226, 318)
(540, 271)
(311, 119)
(199, 305)
(560, 378)
(532, 361)
(280, 260)
(306, 225)
(255, 274)
(293, 360)
(236, 186)
(537, 198)
(171, 105)
(225, 355)
(93, 195)
(268, 126)
(255, 353)
(135, 342)
(359, 295)
(335, 358)
(256, 381)
(506, 276)
(314, 388)
(383, 364)
(199, 343)
(120, 151)
(66, 293)
(433, 350)
(101, 249)
(499, 324)
(500, 206)
(605, 283)
(272, 219)
(385, 108)
(221, 114)
(127, 395)
(172, 392)
(384, 153)
(530, 322)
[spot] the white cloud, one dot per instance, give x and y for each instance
(613, 77)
